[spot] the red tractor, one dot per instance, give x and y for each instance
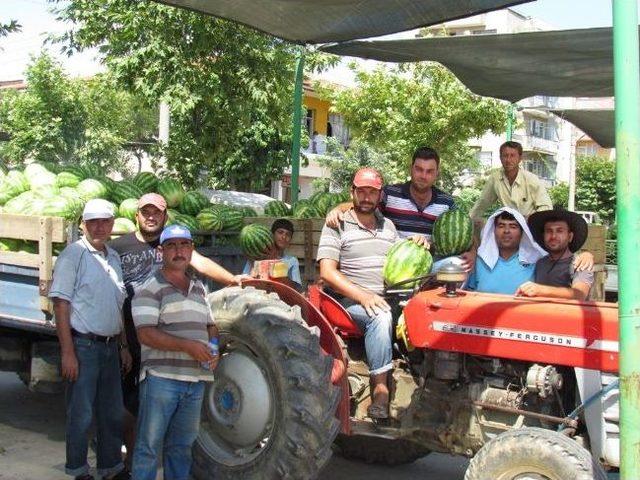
(527, 387)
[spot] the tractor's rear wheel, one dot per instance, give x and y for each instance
(270, 413)
(379, 450)
(533, 454)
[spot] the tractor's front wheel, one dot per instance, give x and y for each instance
(270, 413)
(533, 454)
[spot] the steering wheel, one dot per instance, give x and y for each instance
(422, 280)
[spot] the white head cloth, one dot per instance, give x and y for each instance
(529, 251)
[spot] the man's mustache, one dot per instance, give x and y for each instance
(175, 259)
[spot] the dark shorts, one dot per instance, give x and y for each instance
(130, 381)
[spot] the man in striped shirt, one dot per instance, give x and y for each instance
(174, 326)
(413, 206)
(351, 258)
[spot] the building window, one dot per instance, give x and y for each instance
(544, 166)
(488, 31)
(541, 129)
(587, 150)
(309, 121)
(340, 131)
(485, 158)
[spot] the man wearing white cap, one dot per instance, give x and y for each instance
(88, 293)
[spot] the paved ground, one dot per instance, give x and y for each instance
(32, 444)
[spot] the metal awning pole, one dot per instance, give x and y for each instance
(627, 123)
(297, 126)
(510, 114)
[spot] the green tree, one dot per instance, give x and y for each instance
(62, 120)
(596, 186)
(11, 27)
(559, 194)
(229, 87)
(397, 110)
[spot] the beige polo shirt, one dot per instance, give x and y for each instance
(527, 194)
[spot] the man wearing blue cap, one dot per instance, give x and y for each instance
(174, 326)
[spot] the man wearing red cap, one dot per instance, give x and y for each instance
(141, 258)
(351, 258)
(413, 206)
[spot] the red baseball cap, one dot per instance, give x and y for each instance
(154, 199)
(368, 177)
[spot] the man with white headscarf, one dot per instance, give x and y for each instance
(507, 254)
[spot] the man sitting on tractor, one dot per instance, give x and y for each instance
(351, 258)
(282, 231)
(414, 206)
(562, 233)
(507, 254)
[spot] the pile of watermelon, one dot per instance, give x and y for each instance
(62, 191)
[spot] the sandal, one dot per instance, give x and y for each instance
(377, 411)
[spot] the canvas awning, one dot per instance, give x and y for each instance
(565, 63)
(599, 124)
(313, 21)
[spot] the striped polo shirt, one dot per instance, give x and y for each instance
(398, 206)
(160, 304)
(360, 252)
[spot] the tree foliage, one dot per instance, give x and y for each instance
(559, 194)
(229, 87)
(397, 110)
(62, 120)
(11, 27)
(596, 186)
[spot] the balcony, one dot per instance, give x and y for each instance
(536, 144)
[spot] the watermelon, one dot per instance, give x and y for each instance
(10, 244)
(60, 206)
(192, 202)
(20, 204)
(452, 233)
(46, 191)
(76, 170)
(305, 210)
(124, 190)
(248, 212)
(171, 190)
(255, 239)
(233, 220)
(405, 260)
(29, 247)
(123, 225)
(171, 216)
(128, 208)
(111, 186)
(67, 179)
(13, 184)
(187, 221)
(91, 188)
(146, 181)
(38, 176)
(276, 208)
(211, 219)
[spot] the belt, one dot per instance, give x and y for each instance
(93, 336)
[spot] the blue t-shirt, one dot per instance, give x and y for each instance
(506, 276)
(294, 268)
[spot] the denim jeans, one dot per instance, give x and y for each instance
(377, 337)
(97, 387)
(170, 413)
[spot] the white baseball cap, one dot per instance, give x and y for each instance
(97, 208)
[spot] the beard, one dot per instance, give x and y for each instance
(364, 207)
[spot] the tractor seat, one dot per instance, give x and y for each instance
(335, 313)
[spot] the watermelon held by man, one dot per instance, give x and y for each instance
(405, 260)
(452, 233)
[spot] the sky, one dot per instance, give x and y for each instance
(37, 21)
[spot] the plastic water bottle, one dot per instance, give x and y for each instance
(214, 347)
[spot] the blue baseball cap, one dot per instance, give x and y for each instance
(174, 231)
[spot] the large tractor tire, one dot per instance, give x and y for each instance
(379, 450)
(533, 454)
(270, 413)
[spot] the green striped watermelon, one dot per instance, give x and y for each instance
(248, 212)
(171, 190)
(146, 181)
(452, 233)
(305, 210)
(91, 188)
(125, 189)
(20, 204)
(255, 239)
(128, 208)
(276, 208)
(171, 216)
(13, 184)
(405, 260)
(211, 219)
(67, 179)
(233, 220)
(46, 191)
(192, 202)
(10, 244)
(187, 221)
(76, 170)
(123, 225)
